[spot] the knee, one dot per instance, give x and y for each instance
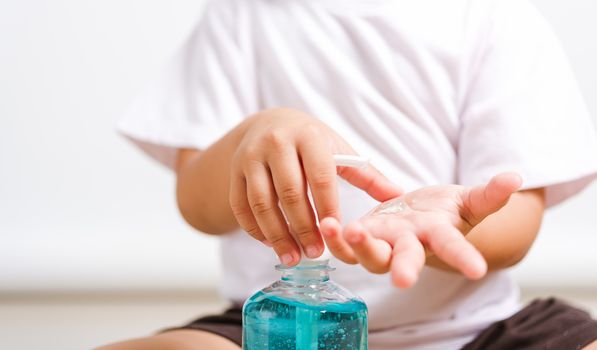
(592, 346)
(148, 343)
(176, 340)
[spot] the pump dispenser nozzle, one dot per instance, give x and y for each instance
(346, 160)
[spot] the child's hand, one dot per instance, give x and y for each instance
(393, 237)
(280, 153)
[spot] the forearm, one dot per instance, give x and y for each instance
(203, 179)
(505, 237)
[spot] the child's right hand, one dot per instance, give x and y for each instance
(281, 154)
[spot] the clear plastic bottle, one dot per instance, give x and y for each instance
(304, 310)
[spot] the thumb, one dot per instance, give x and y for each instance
(484, 200)
(371, 181)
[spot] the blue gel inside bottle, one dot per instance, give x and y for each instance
(304, 311)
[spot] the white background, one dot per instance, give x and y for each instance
(82, 210)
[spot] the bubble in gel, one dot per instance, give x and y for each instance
(391, 207)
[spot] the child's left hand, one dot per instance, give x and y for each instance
(437, 218)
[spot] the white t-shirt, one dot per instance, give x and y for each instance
(434, 91)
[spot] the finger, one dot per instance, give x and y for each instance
(291, 189)
(332, 233)
(386, 227)
(264, 206)
(371, 181)
(482, 201)
(374, 254)
(241, 209)
(408, 258)
(452, 247)
(320, 170)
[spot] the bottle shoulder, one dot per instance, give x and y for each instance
(326, 295)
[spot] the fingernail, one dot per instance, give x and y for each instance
(354, 238)
(407, 279)
(267, 243)
(478, 270)
(327, 232)
(312, 251)
(286, 259)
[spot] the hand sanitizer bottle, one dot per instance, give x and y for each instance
(304, 310)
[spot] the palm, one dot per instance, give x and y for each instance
(424, 209)
(399, 234)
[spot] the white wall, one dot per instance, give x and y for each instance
(81, 209)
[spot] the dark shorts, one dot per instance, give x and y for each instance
(543, 324)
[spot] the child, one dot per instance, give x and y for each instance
(435, 93)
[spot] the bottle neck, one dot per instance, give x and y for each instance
(306, 272)
(304, 277)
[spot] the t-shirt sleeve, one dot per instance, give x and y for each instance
(523, 110)
(203, 92)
